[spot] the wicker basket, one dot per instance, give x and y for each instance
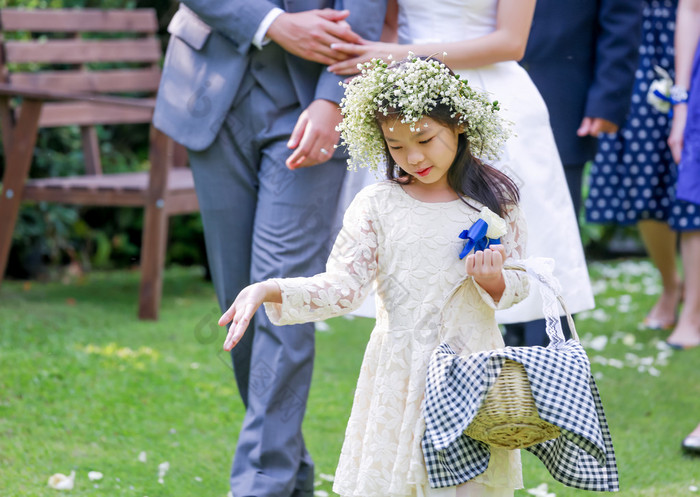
(508, 416)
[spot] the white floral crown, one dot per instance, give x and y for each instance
(414, 87)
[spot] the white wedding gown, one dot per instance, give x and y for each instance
(530, 157)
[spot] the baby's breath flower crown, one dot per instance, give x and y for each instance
(412, 88)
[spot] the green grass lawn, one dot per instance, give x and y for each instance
(85, 386)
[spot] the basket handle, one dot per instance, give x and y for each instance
(549, 292)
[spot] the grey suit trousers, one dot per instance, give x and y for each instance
(262, 220)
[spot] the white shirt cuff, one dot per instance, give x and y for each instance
(260, 39)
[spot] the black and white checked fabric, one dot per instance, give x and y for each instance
(565, 394)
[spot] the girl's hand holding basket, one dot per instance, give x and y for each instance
(486, 267)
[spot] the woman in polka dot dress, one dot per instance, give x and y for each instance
(633, 178)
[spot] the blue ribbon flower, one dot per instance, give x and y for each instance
(476, 238)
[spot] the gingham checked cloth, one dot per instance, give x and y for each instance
(565, 394)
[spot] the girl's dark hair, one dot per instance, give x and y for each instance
(468, 176)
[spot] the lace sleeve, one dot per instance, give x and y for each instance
(517, 282)
(350, 272)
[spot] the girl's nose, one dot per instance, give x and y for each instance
(414, 157)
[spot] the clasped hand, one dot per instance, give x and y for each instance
(486, 267)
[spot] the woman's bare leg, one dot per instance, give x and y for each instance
(687, 331)
(660, 242)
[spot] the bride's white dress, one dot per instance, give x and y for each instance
(530, 157)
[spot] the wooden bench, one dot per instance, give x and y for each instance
(87, 68)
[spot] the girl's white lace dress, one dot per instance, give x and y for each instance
(530, 157)
(408, 251)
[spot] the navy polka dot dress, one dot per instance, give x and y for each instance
(633, 176)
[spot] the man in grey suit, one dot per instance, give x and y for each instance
(245, 90)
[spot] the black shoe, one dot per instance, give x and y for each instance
(691, 444)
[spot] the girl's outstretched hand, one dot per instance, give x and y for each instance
(486, 267)
(244, 307)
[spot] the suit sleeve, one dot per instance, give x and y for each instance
(367, 20)
(617, 53)
(238, 20)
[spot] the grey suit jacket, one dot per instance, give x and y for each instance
(208, 55)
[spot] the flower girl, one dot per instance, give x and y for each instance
(402, 238)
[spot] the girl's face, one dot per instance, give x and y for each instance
(427, 153)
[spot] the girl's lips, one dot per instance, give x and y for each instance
(424, 172)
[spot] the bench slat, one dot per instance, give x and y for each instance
(74, 20)
(126, 188)
(82, 51)
(112, 81)
(87, 114)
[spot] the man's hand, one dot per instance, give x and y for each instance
(314, 136)
(309, 34)
(365, 51)
(595, 125)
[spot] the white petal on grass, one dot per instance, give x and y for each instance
(162, 470)
(599, 359)
(198, 479)
(142, 456)
(320, 493)
(59, 481)
(629, 339)
(654, 372)
(598, 343)
(616, 363)
(95, 475)
(194, 365)
(633, 288)
(598, 375)
(599, 286)
(541, 491)
(693, 488)
(600, 315)
(322, 326)
(632, 359)
(327, 477)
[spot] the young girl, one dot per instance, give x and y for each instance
(401, 237)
